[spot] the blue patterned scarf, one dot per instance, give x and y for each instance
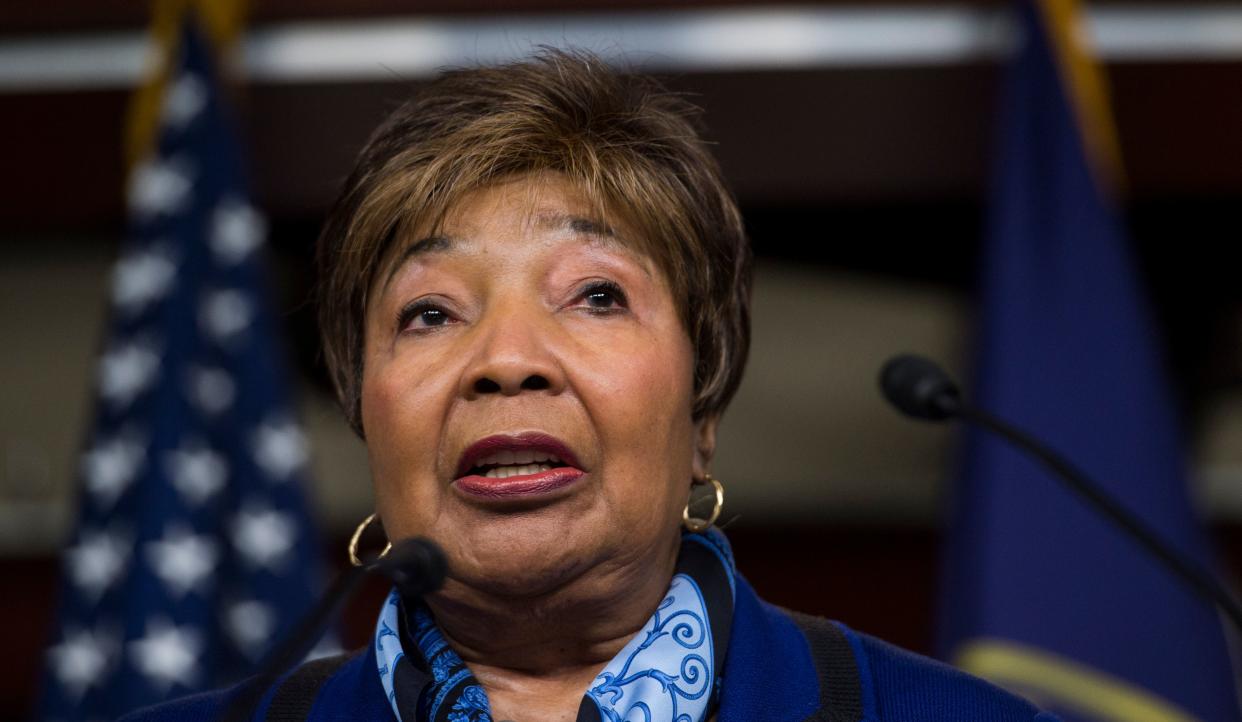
(669, 672)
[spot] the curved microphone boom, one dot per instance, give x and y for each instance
(921, 389)
(416, 566)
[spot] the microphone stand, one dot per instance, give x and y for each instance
(1200, 580)
(416, 566)
(294, 646)
(919, 388)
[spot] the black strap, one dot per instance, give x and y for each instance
(296, 694)
(840, 687)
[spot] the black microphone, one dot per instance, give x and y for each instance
(921, 389)
(416, 566)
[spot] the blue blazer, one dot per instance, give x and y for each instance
(773, 673)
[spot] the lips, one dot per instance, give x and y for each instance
(506, 466)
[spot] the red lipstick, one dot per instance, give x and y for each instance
(514, 466)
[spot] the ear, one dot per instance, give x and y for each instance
(704, 445)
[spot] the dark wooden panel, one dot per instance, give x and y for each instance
(798, 137)
(1178, 124)
(63, 165)
(794, 138)
(304, 139)
(95, 15)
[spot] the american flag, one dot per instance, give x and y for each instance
(193, 550)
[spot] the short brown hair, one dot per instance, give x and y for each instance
(630, 145)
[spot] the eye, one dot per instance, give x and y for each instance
(422, 315)
(603, 297)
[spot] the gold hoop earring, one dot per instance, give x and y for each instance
(353, 542)
(698, 526)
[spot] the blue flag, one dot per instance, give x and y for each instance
(193, 549)
(1041, 594)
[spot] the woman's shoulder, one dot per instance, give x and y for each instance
(202, 707)
(343, 678)
(886, 682)
(906, 682)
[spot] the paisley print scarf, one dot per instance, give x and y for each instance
(669, 672)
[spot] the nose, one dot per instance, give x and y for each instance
(512, 355)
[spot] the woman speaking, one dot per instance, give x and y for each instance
(534, 305)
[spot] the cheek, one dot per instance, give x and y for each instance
(403, 421)
(643, 394)
(647, 376)
(399, 392)
(660, 383)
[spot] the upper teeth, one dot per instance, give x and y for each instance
(504, 472)
(508, 458)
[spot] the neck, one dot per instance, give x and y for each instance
(582, 621)
(528, 650)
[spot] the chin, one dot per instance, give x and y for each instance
(522, 556)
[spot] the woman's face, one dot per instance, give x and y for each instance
(527, 392)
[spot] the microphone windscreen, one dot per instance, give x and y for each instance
(919, 388)
(416, 565)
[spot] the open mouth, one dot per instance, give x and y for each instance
(503, 464)
(516, 465)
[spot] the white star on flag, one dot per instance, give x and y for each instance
(224, 314)
(250, 624)
(184, 99)
(160, 187)
(127, 371)
(97, 561)
(263, 536)
(197, 472)
(212, 390)
(82, 659)
(183, 560)
(168, 654)
(280, 448)
(191, 532)
(236, 230)
(111, 466)
(142, 277)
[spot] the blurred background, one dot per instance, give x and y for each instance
(857, 137)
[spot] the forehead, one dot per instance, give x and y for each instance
(546, 203)
(543, 205)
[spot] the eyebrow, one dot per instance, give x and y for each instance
(579, 225)
(593, 230)
(430, 244)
